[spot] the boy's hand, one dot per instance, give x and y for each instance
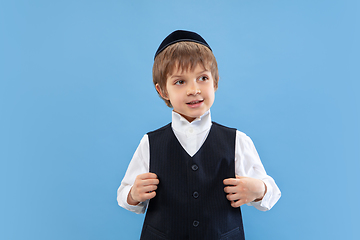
(242, 190)
(143, 189)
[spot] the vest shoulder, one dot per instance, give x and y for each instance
(160, 129)
(223, 127)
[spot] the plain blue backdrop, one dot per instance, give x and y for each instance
(76, 97)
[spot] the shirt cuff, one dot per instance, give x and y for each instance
(140, 208)
(265, 203)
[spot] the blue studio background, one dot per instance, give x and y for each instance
(76, 96)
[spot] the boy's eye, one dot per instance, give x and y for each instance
(179, 82)
(203, 78)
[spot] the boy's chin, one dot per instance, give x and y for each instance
(191, 117)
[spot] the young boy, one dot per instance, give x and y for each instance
(196, 172)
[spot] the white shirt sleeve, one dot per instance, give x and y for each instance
(139, 164)
(248, 164)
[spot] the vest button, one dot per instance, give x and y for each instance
(195, 194)
(196, 223)
(194, 167)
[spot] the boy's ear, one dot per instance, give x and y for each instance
(161, 92)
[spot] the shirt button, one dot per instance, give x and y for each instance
(194, 167)
(191, 130)
(195, 194)
(196, 223)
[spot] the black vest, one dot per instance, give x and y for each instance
(190, 201)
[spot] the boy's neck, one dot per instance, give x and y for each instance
(181, 118)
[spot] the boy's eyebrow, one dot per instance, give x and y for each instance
(203, 71)
(199, 73)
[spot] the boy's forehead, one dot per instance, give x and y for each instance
(178, 69)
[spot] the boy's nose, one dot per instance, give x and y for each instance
(193, 90)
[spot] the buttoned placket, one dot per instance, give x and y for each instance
(195, 192)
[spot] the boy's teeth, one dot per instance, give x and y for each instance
(194, 102)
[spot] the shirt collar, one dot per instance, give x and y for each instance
(200, 124)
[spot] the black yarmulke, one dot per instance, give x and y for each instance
(181, 36)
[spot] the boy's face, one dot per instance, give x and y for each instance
(190, 92)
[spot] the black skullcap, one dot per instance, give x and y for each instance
(181, 36)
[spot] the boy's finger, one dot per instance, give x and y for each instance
(152, 175)
(150, 195)
(230, 181)
(233, 197)
(148, 176)
(229, 189)
(150, 188)
(151, 182)
(236, 204)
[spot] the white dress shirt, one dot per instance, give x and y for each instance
(191, 137)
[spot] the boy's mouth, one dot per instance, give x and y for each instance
(194, 102)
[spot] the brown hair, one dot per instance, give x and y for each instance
(186, 56)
